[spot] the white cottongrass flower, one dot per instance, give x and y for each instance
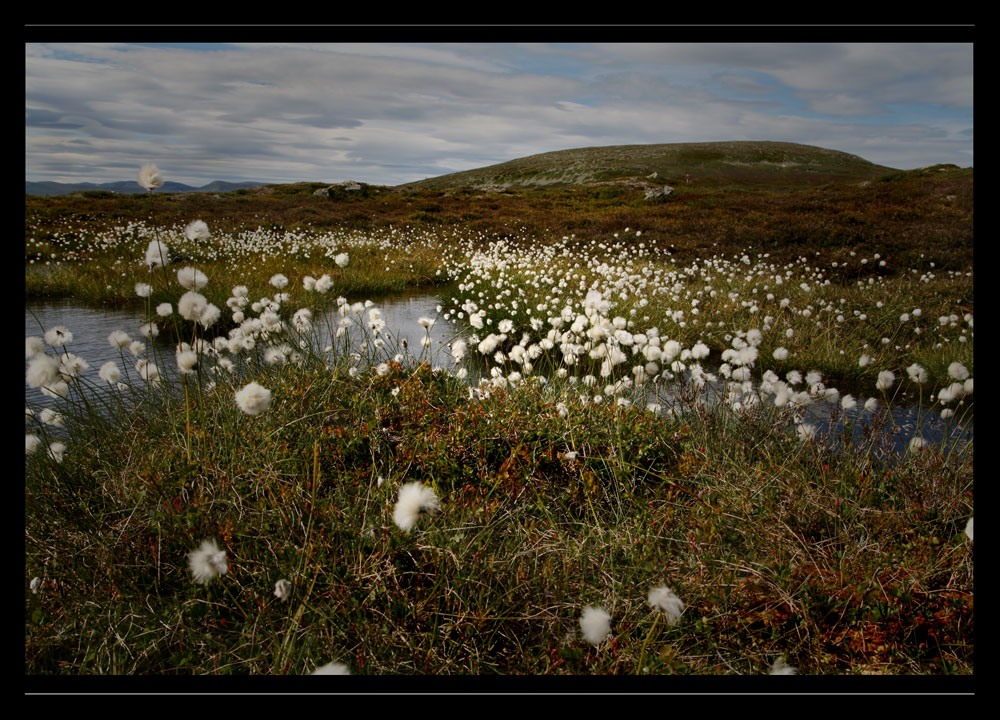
(663, 599)
(51, 417)
(279, 281)
(207, 562)
(191, 278)
(109, 372)
(864, 361)
(331, 668)
(917, 443)
(342, 259)
(885, 380)
(164, 309)
(956, 370)
(119, 339)
(35, 584)
(595, 623)
(253, 399)
(917, 374)
(59, 335)
(196, 230)
(282, 589)
(806, 432)
(149, 177)
(187, 361)
(56, 451)
(149, 330)
(143, 290)
(157, 254)
(968, 529)
(31, 443)
(780, 667)
(780, 354)
(425, 322)
(871, 404)
(33, 346)
(43, 370)
(848, 402)
(191, 305)
(415, 498)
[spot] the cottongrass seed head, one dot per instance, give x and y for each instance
(415, 498)
(332, 668)
(253, 399)
(282, 589)
(663, 599)
(595, 623)
(207, 562)
(780, 667)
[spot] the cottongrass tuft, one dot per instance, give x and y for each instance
(958, 371)
(595, 623)
(157, 254)
(149, 177)
(663, 599)
(780, 667)
(196, 230)
(885, 380)
(282, 589)
(415, 498)
(191, 278)
(59, 335)
(253, 399)
(968, 529)
(332, 668)
(207, 562)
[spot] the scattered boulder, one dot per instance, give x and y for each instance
(660, 192)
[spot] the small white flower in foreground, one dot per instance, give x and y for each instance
(917, 443)
(595, 623)
(332, 668)
(35, 584)
(119, 339)
(968, 529)
(282, 589)
(864, 361)
(958, 371)
(164, 309)
(56, 451)
(59, 335)
(196, 230)
(33, 346)
(42, 370)
(279, 281)
(414, 499)
(191, 278)
(157, 254)
(425, 322)
(871, 404)
(149, 177)
(109, 372)
(885, 380)
(207, 562)
(31, 443)
(917, 374)
(342, 259)
(143, 290)
(780, 667)
(806, 432)
(253, 399)
(663, 599)
(780, 354)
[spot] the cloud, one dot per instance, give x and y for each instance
(392, 113)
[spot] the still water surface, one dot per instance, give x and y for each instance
(91, 327)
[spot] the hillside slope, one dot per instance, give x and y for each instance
(751, 162)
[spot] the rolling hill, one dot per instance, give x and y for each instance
(750, 162)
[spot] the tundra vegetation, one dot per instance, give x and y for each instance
(658, 439)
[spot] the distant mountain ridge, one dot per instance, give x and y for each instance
(131, 187)
(752, 161)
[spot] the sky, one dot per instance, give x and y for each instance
(393, 112)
